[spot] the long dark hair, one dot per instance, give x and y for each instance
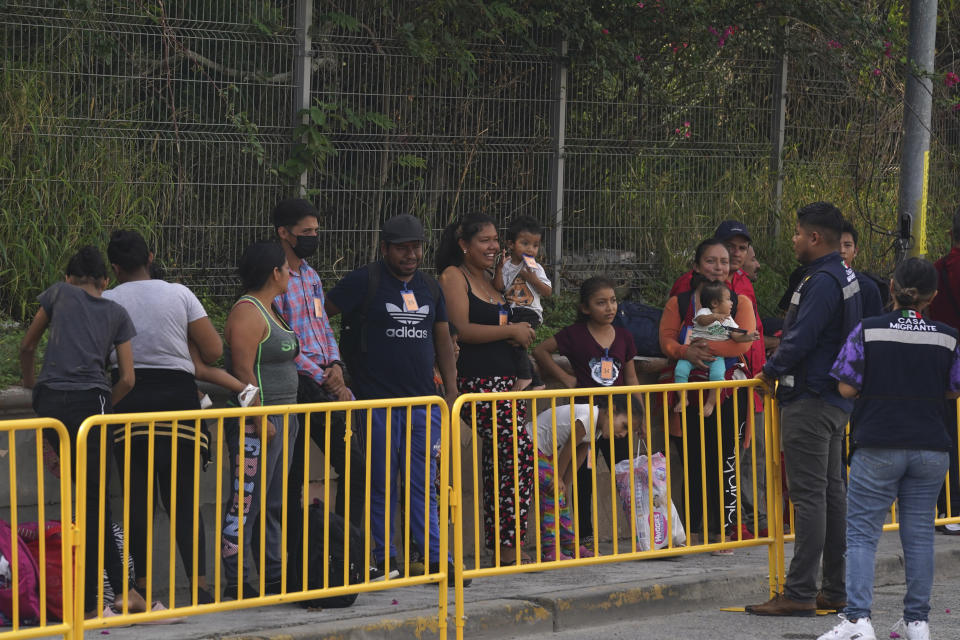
(589, 287)
(449, 252)
(258, 262)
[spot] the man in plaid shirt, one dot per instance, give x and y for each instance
(297, 224)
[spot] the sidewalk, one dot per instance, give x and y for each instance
(538, 603)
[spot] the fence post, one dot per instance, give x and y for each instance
(778, 135)
(917, 110)
(558, 122)
(302, 70)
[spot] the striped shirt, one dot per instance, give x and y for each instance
(302, 308)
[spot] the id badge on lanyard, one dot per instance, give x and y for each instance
(606, 366)
(504, 315)
(409, 299)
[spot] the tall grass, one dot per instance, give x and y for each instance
(63, 185)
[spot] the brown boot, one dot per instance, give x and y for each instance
(781, 605)
(826, 604)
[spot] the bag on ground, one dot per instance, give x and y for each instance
(28, 579)
(642, 490)
(329, 560)
(30, 532)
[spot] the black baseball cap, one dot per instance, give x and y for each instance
(730, 228)
(402, 228)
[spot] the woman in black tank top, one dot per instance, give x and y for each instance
(468, 249)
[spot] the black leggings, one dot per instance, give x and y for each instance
(163, 390)
(72, 408)
(717, 483)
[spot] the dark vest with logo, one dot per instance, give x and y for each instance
(907, 362)
(812, 375)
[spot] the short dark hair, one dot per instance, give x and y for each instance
(87, 264)
(258, 262)
(128, 250)
(521, 224)
(711, 293)
(622, 403)
(847, 227)
(914, 282)
(824, 218)
(291, 211)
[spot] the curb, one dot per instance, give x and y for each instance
(589, 607)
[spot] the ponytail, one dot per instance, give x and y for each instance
(449, 252)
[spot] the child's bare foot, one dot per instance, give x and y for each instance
(708, 407)
(681, 403)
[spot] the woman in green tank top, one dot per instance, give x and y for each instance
(260, 351)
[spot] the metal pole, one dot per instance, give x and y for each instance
(302, 70)
(778, 133)
(558, 123)
(918, 105)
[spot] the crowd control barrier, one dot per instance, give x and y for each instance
(514, 475)
(381, 440)
(680, 482)
(44, 568)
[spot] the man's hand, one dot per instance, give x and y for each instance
(698, 353)
(333, 382)
(766, 383)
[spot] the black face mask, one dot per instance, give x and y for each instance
(306, 246)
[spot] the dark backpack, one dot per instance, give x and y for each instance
(353, 337)
(333, 557)
(643, 323)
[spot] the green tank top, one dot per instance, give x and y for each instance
(274, 364)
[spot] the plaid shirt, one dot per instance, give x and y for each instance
(318, 346)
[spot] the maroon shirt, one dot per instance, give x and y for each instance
(946, 306)
(578, 345)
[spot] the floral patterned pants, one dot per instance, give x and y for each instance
(510, 508)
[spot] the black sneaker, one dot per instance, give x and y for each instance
(230, 592)
(204, 596)
(377, 571)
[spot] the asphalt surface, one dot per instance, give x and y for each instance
(711, 623)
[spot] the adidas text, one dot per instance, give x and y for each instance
(407, 332)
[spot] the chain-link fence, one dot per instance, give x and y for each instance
(181, 119)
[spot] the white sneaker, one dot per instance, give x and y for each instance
(847, 630)
(916, 630)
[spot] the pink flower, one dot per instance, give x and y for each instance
(686, 135)
(833, 44)
(876, 71)
(886, 48)
(951, 79)
(638, 58)
(640, 4)
(605, 32)
(687, 124)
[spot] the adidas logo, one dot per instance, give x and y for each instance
(408, 317)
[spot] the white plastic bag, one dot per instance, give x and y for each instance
(641, 494)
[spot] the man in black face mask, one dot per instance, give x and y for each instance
(319, 367)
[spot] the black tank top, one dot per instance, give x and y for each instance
(486, 359)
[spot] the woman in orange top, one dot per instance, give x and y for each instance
(712, 263)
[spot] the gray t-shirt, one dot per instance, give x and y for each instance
(160, 311)
(83, 331)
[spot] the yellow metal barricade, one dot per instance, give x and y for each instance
(512, 460)
(26, 514)
(377, 437)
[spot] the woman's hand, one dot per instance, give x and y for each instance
(698, 353)
(522, 334)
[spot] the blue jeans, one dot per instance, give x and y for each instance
(877, 478)
(423, 439)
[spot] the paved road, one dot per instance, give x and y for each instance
(713, 624)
